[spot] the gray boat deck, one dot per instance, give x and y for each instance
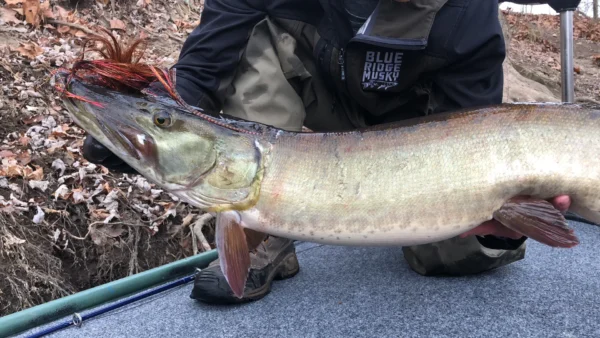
(371, 292)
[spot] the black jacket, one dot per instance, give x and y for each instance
(211, 53)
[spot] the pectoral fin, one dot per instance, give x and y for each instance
(537, 219)
(232, 248)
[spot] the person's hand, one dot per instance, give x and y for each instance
(495, 228)
(97, 153)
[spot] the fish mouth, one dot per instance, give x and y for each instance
(132, 139)
(92, 109)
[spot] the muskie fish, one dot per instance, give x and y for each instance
(415, 182)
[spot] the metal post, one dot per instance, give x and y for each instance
(566, 56)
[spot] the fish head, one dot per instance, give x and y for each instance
(167, 144)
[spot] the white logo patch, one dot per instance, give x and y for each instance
(382, 70)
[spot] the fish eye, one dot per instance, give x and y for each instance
(162, 119)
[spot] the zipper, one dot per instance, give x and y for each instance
(341, 62)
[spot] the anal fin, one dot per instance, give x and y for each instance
(537, 219)
(232, 248)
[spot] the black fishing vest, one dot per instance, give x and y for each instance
(393, 50)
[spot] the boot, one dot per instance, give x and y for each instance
(275, 258)
(464, 256)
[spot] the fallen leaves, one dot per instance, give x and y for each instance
(39, 216)
(31, 10)
(33, 119)
(46, 186)
(6, 153)
(58, 164)
(40, 185)
(30, 50)
(9, 15)
(534, 26)
(117, 24)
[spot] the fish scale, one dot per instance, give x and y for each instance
(469, 164)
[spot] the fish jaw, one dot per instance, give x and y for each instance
(119, 131)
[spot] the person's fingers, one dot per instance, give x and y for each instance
(493, 228)
(562, 202)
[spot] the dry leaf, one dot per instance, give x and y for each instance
(6, 154)
(63, 29)
(33, 119)
(117, 24)
(79, 195)
(10, 168)
(24, 158)
(39, 216)
(8, 15)
(16, 188)
(13, 2)
(31, 9)
(30, 50)
(36, 174)
(62, 192)
(40, 185)
(99, 214)
(143, 3)
(577, 69)
(58, 164)
(46, 11)
(80, 34)
(63, 14)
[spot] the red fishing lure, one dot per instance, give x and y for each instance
(120, 69)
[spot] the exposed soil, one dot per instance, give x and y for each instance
(67, 225)
(534, 51)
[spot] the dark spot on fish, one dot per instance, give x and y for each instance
(372, 231)
(337, 237)
(365, 236)
(312, 233)
(337, 231)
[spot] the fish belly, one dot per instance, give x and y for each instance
(426, 182)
